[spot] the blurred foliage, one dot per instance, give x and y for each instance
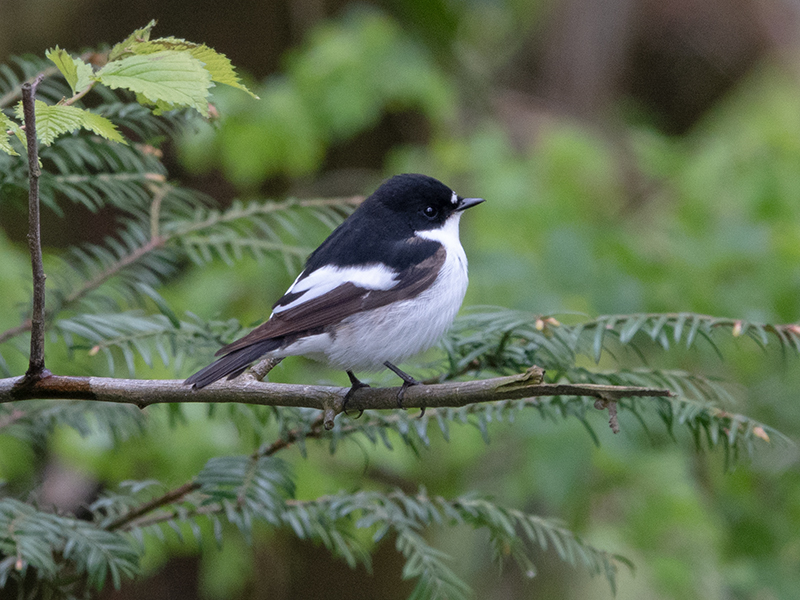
(346, 77)
(580, 220)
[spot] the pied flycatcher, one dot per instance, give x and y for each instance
(385, 285)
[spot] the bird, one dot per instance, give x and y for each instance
(384, 286)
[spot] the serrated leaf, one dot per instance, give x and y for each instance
(99, 125)
(53, 120)
(139, 35)
(216, 63)
(173, 78)
(6, 125)
(78, 74)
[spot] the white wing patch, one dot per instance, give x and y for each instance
(328, 278)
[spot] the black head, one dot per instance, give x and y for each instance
(420, 201)
(396, 211)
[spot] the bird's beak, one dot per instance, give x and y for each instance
(465, 203)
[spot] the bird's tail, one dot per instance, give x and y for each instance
(233, 364)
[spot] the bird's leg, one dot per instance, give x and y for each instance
(408, 381)
(355, 384)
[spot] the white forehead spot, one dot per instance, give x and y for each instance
(454, 199)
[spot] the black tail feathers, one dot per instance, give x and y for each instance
(231, 365)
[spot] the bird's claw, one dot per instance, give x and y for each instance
(355, 384)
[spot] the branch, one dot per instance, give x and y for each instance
(143, 392)
(174, 495)
(134, 517)
(114, 269)
(36, 364)
(8, 334)
(249, 389)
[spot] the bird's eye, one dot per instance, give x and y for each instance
(430, 212)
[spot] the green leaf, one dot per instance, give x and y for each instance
(53, 120)
(78, 74)
(6, 125)
(99, 125)
(173, 78)
(60, 545)
(123, 47)
(160, 303)
(216, 63)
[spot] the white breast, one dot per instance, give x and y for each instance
(396, 332)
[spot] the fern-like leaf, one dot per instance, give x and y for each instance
(34, 421)
(134, 333)
(20, 69)
(502, 340)
(124, 271)
(246, 488)
(52, 545)
(258, 228)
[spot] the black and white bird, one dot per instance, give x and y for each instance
(384, 286)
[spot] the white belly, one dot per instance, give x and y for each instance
(395, 332)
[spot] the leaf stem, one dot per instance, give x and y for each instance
(79, 95)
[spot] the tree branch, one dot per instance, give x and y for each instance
(8, 334)
(126, 261)
(132, 518)
(174, 495)
(248, 390)
(36, 364)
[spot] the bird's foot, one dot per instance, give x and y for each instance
(408, 381)
(355, 384)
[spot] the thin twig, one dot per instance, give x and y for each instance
(36, 364)
(315, 430)
(611, 405)
(142, 516)
(8, 334)
(99, 279)
(262, 368)
(178, 494)
(170, 497)
(159, 192)
(12, 96)
(91, 285)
